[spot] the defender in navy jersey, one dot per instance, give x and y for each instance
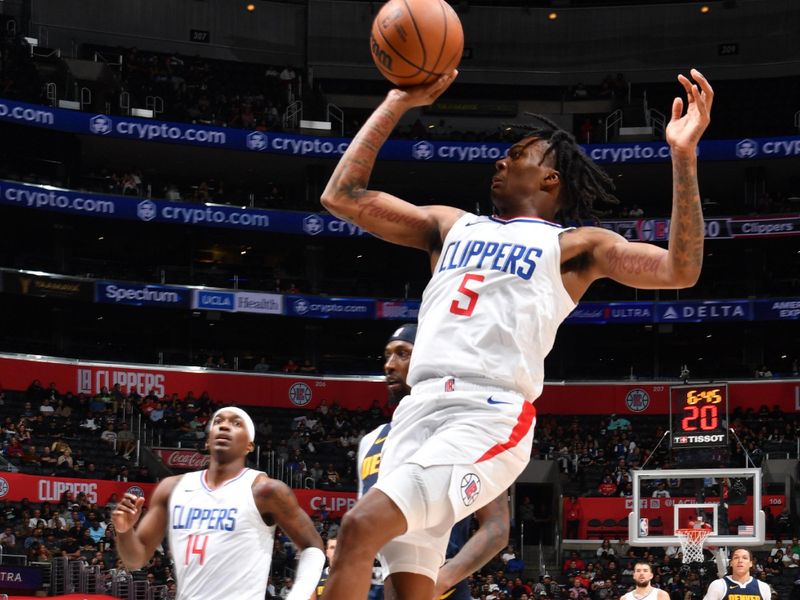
(499, 289)
(740, 584)
(221, 522)
(464, 554)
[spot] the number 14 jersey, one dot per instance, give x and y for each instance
(494, 302)
(220, 545)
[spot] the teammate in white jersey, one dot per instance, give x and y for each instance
(642, 577)
(500, 287)
(221, 522)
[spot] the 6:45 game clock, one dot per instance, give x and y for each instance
(698, 416)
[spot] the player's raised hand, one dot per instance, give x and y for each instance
(127, 512)
(426, 94)
(684, 130)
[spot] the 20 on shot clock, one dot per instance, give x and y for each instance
(698, 415)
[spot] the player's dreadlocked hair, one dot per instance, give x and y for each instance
(583, 182)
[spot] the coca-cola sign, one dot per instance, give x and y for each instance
(184, 460)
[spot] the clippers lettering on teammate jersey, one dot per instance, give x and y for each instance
(203, 519)
(515, 259)
(372, 461)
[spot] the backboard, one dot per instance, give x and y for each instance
(726, 501)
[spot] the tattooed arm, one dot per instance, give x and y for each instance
(382, 214)
(645, 265)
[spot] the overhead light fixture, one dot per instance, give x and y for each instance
(705, 9)
(552, 15)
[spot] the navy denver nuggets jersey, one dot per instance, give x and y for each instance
(730, 589)
(736, 591)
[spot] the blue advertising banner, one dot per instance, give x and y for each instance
(322, 307)
(776, 309)
(48, 198)
(598, 313)
(704, 311)
(145, 210)
(403, 310)
(302, 145)
(214, 300)
(20, 578)
(140, 294)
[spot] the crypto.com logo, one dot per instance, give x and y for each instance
(747, 148)
(146, 210)
(313, 224)
(257, 141)
(422, 151)
(100, 124)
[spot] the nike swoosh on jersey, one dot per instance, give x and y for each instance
(491, 400)
(476, 223)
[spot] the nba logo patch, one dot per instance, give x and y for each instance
(450, 385)
(470, 488)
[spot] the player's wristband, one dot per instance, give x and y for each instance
(309, 568)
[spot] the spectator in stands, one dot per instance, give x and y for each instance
(262, 366)
(46, 409)
(605, 550)
(763, 372)
(65, 460)
(7, 539)
(661, 490)
(618, 423)
(126, 441)
(573, 515)
(607, 486)
(331, 477)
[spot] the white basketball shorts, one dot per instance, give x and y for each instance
(453, 448)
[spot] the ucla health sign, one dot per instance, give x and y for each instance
(136, 294)
(322, 307)
(214, 300)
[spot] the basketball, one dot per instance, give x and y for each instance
(415, 41)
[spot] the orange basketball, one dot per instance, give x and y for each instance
(415, 41)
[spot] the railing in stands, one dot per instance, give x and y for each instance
(612, 121)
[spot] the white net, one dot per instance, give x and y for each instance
(692, 544)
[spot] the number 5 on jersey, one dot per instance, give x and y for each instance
(196, 544)
(472, 296)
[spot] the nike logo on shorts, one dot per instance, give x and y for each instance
(491, 400)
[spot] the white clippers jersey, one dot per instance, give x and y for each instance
(220, 545)
(492, 307)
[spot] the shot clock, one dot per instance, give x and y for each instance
(698, 416)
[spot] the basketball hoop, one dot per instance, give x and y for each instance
(692, 543)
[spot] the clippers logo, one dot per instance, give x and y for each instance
(135, 490)
(313, 224)
(300, 394)
(747, 148)
(301, 306)
(4, 487)
(470, 488)
(146, 210)
(450, 385)
(257, 141)
(100, 124)
(637, 400)
(422, 151)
